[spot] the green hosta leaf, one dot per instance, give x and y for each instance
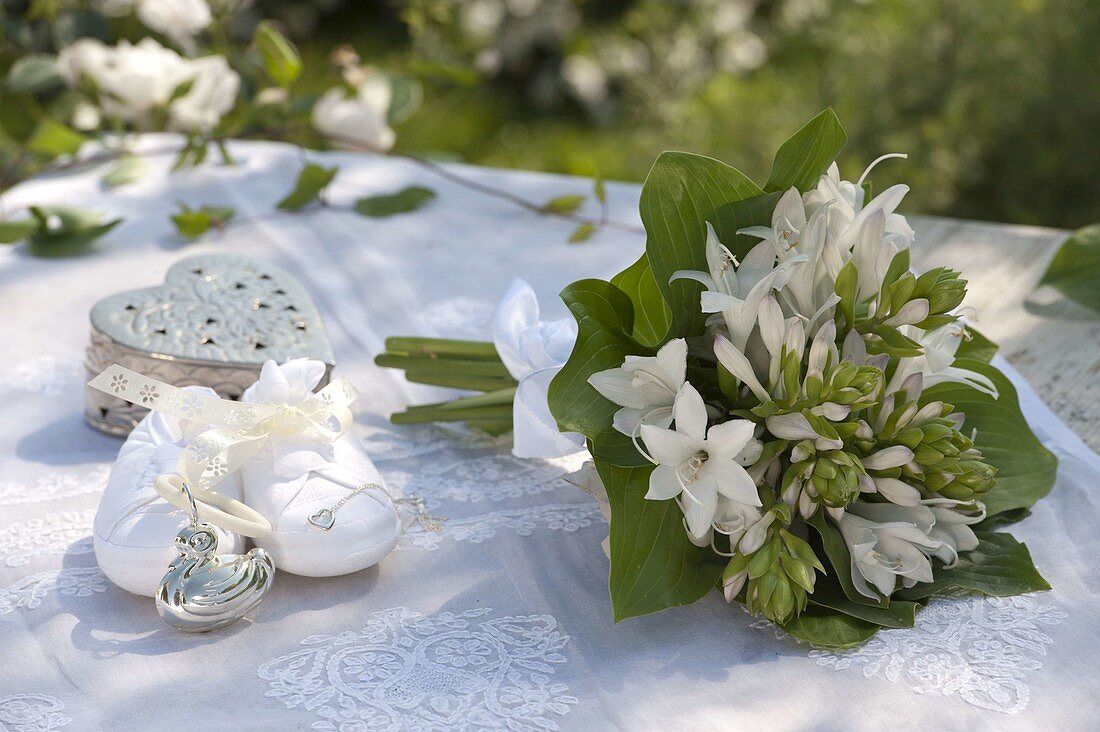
(829, 629)
(311, 182)
(1075, 269)
(651, 314)
(404, 201)
(281, 59)
(194, 222)
(582, 233)
(978, 347)
(65, 231)
(53, 138)
(563, 204)
(604, 318)
(803, 158)
(128, 169)
(896, 614)
(18, 230)
(1000, 566)
(1025, 469)
(34, 74)
(653, 564)
(681, 193)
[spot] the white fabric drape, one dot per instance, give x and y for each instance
(502, 620)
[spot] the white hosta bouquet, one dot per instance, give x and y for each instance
(777, 406)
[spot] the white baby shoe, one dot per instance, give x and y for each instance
(328, 511)
(135, 529)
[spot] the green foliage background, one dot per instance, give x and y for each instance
(996, 101)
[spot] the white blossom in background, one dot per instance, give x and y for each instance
(132, 81)
(213, 93)
(179, 20)
(358, 119)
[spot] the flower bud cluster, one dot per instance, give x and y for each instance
(775, 568)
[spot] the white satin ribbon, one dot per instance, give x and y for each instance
(234, 432)
(534, 351)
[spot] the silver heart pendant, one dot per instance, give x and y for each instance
(323, 519)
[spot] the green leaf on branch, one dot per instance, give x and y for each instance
(599, 189)
(604, 317)
(52, 138)
(582, 233)
(128, 169)
(680, 195)
(34, 74)
(803, 158)
(194, 222)
(312, 181)
(66, 231)
(281, 59)
(404, 201)
(18, 230)
(829, 629)
(563, 204)
(1025, 469)
(1000, 566)
(653, 563)
(1075, 269)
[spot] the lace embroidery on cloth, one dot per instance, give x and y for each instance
(54, 487)
(31, 713)
(55, 533)
(407, 671)
(29, 592)
(980, 649)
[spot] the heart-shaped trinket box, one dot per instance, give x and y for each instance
(213, 322)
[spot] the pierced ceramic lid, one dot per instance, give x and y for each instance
(218, 308)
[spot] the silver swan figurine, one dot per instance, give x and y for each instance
(203, 590)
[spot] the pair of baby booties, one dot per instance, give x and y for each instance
(135, 528)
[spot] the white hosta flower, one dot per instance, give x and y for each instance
(212, 94)
(736, 290)
(644, 386)
(846, 209)
(180, 20)
(359, 119)
(698, 465)
(935, 364)
(885, 542)
(810, 289)
(952, 529)
(788, 221)
(533, 350)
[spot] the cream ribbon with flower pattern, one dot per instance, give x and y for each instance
(234, 431)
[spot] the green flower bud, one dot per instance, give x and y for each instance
(942, 287)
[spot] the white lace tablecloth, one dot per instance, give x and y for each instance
(502, 621)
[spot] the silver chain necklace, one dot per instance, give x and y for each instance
(325, 519)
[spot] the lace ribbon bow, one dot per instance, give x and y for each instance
(234, 431)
